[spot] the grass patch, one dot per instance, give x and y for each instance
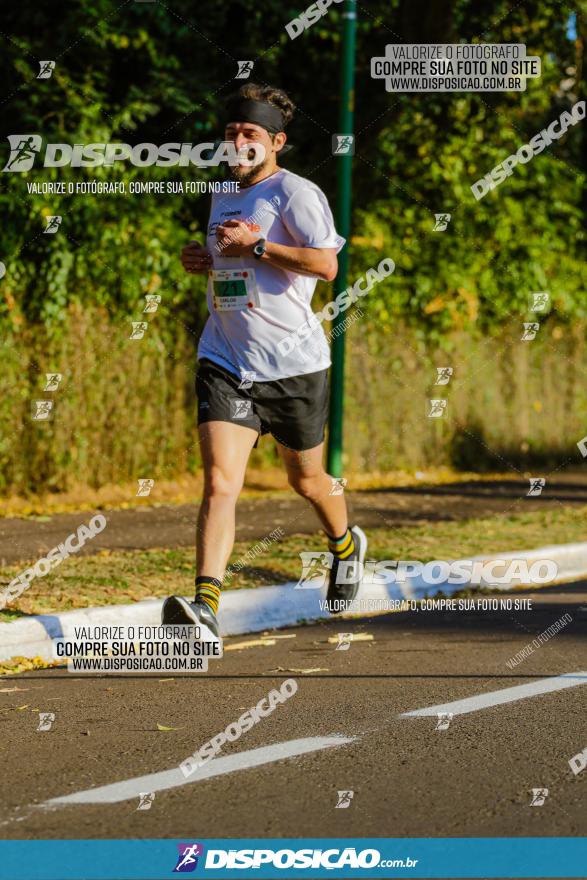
(112, 578)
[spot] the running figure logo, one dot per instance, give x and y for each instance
(53, 224)
(245, 68)
(23, 149)
(539, 795)
(146, 799)
(530, 331)
(241, 409)
(537, 484)
(46, 719)
(42, 410)
(138, 329)
(187, 860)
(52, 381)
(344, 800)
(343, 145)
(444, 719)
(437, 408)
(443, 375)
(315, 569)
(539, 301)
(247, 379)
(441, 222)
(145, 487)
(152, 300)
(338, 485)
(47, 68)
(344, 641)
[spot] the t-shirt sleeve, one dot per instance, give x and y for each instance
(308, 219)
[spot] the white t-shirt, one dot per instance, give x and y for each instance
(290, 211)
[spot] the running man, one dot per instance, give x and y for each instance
(267, 245)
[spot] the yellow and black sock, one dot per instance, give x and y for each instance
(208, 591)
(341, 547)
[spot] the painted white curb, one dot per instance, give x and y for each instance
(254, 610)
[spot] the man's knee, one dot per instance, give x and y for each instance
(309, 487)
(219, 484)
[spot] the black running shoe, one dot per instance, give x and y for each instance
(340, 596)
(179, 611)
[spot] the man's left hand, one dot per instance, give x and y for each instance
(236, 238)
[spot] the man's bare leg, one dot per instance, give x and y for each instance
(225, 453)
(225, 450)
(306, 474)
(348, 547)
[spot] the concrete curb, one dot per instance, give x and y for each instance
(254, 610)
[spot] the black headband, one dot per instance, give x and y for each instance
(258, 112)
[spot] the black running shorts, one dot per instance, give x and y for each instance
(293, 410)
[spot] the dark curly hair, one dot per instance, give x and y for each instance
(270, 95)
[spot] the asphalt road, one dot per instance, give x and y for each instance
(409, 779)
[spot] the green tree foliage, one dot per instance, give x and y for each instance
(152, 72)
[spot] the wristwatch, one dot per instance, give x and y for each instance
(259, 248)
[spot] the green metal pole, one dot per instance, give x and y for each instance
(343, 225)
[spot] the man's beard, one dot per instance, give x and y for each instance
(246, 174)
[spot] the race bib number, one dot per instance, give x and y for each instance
(234, 289)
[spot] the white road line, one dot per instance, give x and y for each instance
(130, 788)
(174, 778)
(507, 695)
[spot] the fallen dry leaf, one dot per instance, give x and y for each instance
(356, 637)
(275, 636)
(163, 727)
(11, 690)
(253, 643)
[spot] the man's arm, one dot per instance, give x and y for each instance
(317, 262)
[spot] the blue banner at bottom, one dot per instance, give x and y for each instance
(524, 857)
